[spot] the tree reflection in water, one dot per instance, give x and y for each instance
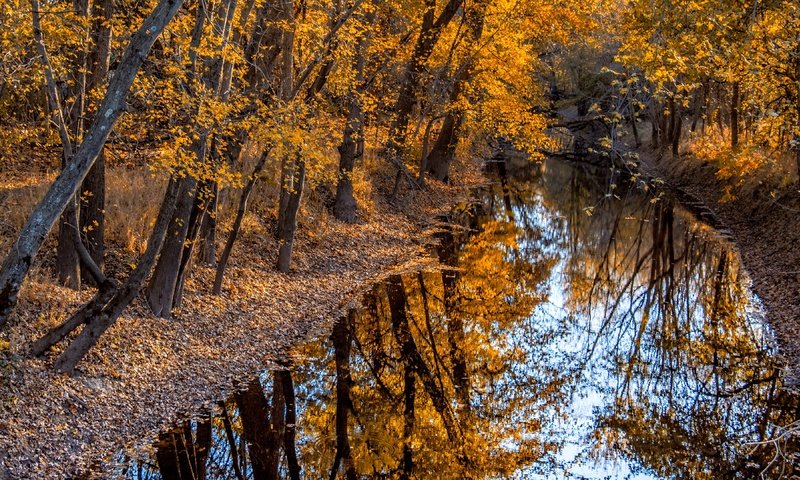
(557, 292)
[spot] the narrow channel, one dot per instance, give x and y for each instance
(582, 325)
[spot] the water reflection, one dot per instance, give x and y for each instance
(579, 328)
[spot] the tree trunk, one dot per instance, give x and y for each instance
(92, 211)
(351, 150)
(671, 129)
(161, 289)
(237, 223)
(25, 248)
(293, 170)
(426, 40)
(676, 134)
(67, 266)
(67, 262)
(196, 216)
(89, 311)
(207, 253)
(98, 324)
(443, 151)
(352, 147)
(735, 116)
(93, 188)
(634, 127)
(287, 218)
(699, 99)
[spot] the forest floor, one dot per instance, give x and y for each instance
(145, 374)
(764, 223)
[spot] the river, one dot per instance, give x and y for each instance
(582, 325)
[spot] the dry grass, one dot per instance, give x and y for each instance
(754, 172)
(133, 198)
(132, 201)
(744, 172)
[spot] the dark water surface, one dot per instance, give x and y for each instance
(580, 327)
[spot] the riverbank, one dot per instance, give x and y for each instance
(764, 224)
(146, 373)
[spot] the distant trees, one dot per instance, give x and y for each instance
(727, 67)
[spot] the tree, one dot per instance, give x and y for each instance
(19, 260)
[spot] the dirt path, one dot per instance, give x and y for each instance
(147, 373)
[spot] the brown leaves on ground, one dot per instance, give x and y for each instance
(146, 373)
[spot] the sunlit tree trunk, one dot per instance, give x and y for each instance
(68, 268)
(198, 213)
(293, 182)
(161, 289)
(352, 146)
(429, 34)
(219, 79)
(165, 290)
(237, 222)
(293, 167)
(207, 251)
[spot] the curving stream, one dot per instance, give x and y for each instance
(580, 327)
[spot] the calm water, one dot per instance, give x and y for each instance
(581, 327)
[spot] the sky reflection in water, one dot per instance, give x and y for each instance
(580, 328)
